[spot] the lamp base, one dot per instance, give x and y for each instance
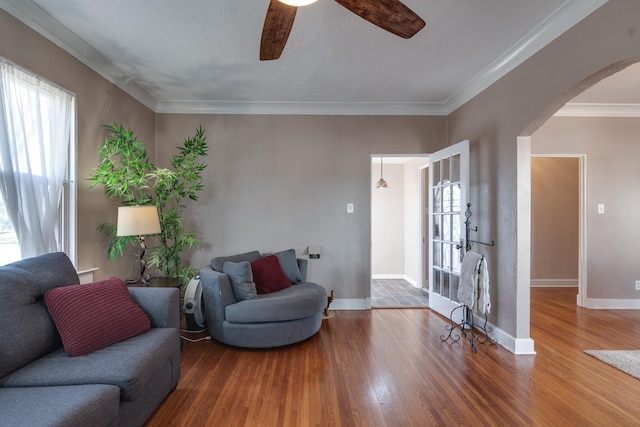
(140, 266)
(144, 280)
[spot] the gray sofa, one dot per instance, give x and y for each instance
(40, 385)
(268, 320)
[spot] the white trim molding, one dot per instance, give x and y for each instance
(554, 283)
(388, 277)
(351, 304)
(565, 17)
(612, 304)
(599, 110)
(404, 277)
(517, 346)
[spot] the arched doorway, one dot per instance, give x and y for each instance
(524, 201)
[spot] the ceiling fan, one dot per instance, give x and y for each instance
(390, 15)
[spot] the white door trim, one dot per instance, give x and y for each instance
(423, 264)
(441, 304)
(581, 299)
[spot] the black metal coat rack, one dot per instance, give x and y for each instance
(467, 326)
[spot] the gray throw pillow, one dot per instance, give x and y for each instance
(289, 265)
(241, 279)
(218, 262)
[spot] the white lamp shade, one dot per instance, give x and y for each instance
(138, 220)
(298, 2)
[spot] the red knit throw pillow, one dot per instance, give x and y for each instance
(93, 316)
(268, 275)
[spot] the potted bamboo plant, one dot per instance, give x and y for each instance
(126, 173)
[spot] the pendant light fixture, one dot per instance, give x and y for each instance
(382, 184)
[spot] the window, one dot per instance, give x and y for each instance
(37, 162)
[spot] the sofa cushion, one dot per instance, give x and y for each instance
(64, 406)
(132, 365)
(241, 279)
(294, 302)
(289, 263)
(268, 275)
(93, 316)
(27, 329)
(217, 263)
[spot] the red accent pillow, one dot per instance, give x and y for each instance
(268, 275)
(93, 316)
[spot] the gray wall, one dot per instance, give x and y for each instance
(98, 102)
(514, 106)
(281, 181)
(275, 182)
(388, 221)
(612, 146)
(555, 211)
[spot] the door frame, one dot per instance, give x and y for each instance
(446, 306)
(581, 298)
(421, 265)
(423, 194)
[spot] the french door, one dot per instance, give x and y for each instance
(448, 182)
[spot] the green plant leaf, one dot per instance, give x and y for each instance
(126, 173)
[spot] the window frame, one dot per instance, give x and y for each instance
(67, 226)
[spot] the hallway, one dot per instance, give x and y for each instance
(397, 293)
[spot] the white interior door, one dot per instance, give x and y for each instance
(448, 182)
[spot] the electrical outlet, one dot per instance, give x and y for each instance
(637, 285)
(350, 208)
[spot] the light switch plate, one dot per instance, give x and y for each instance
(349, 207)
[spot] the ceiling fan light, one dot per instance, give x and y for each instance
(298, 3)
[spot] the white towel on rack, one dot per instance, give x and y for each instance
(484, 299)
(468, 287)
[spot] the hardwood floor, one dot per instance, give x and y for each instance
(390, 368)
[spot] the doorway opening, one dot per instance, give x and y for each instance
(584, 132)
(558, 219)
(399, 254)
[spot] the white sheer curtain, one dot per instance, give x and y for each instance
(36, 120)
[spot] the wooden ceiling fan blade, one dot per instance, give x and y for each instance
(391, 15)
(276, 29)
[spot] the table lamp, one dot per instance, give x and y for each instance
(138, 221)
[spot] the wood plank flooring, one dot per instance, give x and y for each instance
(390, 368)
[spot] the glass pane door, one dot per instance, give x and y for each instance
(448, 175)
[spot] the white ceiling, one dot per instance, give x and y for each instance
(202, 55)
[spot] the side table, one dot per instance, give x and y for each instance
(164, 282)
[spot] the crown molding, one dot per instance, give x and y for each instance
(599, 110)
(569, 14)
(565, 17)
(303, 108)
(44, 24)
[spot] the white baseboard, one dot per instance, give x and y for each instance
(523, 346)
(517, 346)
(387, 276)
(411, 280)
(350, 304)
(554, 283)
(612, 304)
